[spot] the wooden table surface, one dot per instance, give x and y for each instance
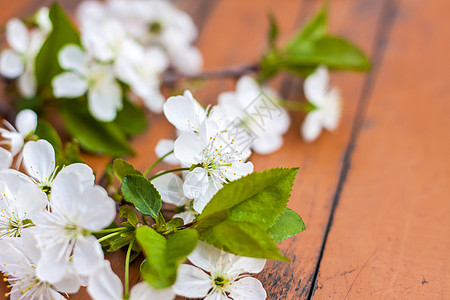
(374, 194)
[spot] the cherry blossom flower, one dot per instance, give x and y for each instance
(141, 68)
(170, 187)
(64, 234)
(18, 263)
(26, 122)
(39, 163)
(104, 284)
(215, 158)
(219, 275)
(20, 59)
(6, 159)
(87, 76)
(258, 113)
(326, 102)
(18, 205)
(163, 147)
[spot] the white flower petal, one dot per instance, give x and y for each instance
(170, 187)
(30, 199)
(163, 147)
(66, 192)
(316, 86)
(87, 255)
(185, 113)
(242, 264)
(11, 65)
(187, 60)
(312, 127)
(26, 122)
(188, 148)
(150, 93)
(70, 283)
(195, 185)
(96, 210)
(192, 282)
(49, 268)
(205, 256)
(187, 216)
(267, 144)
(331, 110)
(72, 58)
(84, 173)
(6, 159)
(105, 98)
(17, 35)
(27, 83)
(105, 284)
(143, 291)
(217, 296)
(39, 159)
(69, 85)
(247, 288)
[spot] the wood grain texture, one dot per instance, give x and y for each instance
(390, 236)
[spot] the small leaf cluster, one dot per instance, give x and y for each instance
(246, 217)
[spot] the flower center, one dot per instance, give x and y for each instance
(220, 281)
(73, 231)
(156, 27)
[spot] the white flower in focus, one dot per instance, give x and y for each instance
(219, 275)
(18, 205)
(163, 147)
(326, 102)
(218, 159)
(64, 234)
(141, 68)
(26, 122)
(86, 76)
(19, 60)
(104, 284)
(258, 113)
(18, 263)
(39, 163)
(170, 187)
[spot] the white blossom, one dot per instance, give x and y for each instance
(18, 262)
(163, 147)
(256, 110)
(170, 187)
(215, 157)
(219, 275)
(326, 104)
(64, 234)
(87, 76)
(6, 159)
(104, 284)
(20, 59)
(26, 122)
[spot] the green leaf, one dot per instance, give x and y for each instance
(314, 29)
(94, 136)
(131, 118)
(243, 238)
(288, 224)
(63, 33)
(72, 153)
(335, 52)
(273, 32)
(258, 198)
(174, 223)
(141, 192)
(126, 212)
(123, 168)
(117, 242)
(164, 256)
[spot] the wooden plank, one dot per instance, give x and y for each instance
(320, 162)
(390, 234)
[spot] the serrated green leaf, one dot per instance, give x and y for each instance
(287, 225)
(126, 212)
(141, 192)
(94, 136)
(131, 118)
(258, 198)
(164, 256)
(243, 238)
(63, 33)
(174, 223)
(123, 168)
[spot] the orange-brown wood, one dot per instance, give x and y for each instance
(390, 237)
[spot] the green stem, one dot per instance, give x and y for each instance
(156, 162)
(108, 236)
(111, 230)
(127, 270)
(169, 171)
